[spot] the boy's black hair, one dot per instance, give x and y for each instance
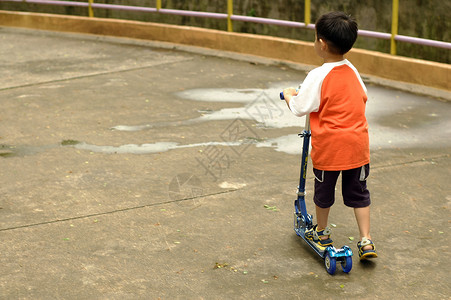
(338, 30)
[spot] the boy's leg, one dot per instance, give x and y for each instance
(356, 195)
(324, 198)
(362, 215)
(322, 216)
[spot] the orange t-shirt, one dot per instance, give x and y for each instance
(337, 116)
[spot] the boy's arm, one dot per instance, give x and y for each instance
(307, 98)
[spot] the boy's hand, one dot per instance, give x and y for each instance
(288, 93)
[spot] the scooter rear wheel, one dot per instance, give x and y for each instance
(330, 263)
(346, 264)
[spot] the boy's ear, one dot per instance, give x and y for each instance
(323, 44)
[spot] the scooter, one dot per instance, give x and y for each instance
(303, 220)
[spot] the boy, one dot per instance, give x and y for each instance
(335, 96)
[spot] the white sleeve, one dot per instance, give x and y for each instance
(309, 96)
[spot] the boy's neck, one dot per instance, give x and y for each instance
(331, 58)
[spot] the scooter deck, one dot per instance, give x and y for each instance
(340, 253)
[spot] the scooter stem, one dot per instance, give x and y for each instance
(300, 201)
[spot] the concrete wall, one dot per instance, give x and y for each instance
(430, 74)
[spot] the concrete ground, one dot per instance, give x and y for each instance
(132, 170)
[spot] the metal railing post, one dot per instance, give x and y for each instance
(307, 11)
(158, 5)
(229, 15)
(394, 26)
(90, 10)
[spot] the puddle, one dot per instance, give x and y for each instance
(396, 118)
(147, 148)
(231, 185)
(290, 144)
(7, 151)
(262, 106)
(130, 148)
(221, 95)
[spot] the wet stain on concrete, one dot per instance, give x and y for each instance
(8, 151)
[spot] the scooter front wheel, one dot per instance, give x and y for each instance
(330, 263)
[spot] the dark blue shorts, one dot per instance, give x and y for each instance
(354, 190)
